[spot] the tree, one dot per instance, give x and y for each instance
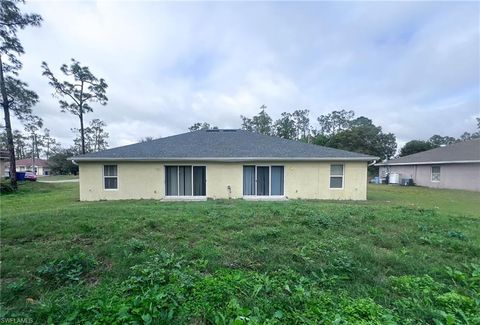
(363, 136)
(285, 127)
(60, 164)
(95, 137)
(76, 93)
(15, 96)
(98, 135)
(32, 125)
(438, 140)
(49, 143)
(415, 146)
(146, 139)
(202, 126)
(302, 124)
(20, 143)
(260, 123)
(334, 122)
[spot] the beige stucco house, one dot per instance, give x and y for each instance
(223, 164)
(40, 167)
(456, 166)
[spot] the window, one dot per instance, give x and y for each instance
(435, 173)
(185, 180)
(263, 180)
(336, 176)
(110, 177)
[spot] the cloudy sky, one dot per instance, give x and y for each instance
(413, 67)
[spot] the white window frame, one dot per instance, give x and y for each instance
(103, 174)
(330, 177)
(439, 174)
(184, 197)
(269, 196)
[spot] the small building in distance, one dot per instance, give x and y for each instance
(455, 166)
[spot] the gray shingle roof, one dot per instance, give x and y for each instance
(223, 145)
(465, 151)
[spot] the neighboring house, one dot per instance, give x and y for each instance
(456, 166)
(41, 166)
(4, 158)
(222, 164)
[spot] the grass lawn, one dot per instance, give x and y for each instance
(406, 256)
(57, 177)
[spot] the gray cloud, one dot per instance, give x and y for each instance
(411, 67)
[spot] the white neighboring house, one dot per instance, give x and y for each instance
(41, 166)
(456, 166)
(3, 162)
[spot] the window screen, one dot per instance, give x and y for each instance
(336, 176)
(277, 180)
(248, 180)
(435, 173)
(199, 181)
(263, 180)
(171, 180)
(110, 176)
(185, 180)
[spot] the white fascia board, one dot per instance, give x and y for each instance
(430, 163)
(226, 159)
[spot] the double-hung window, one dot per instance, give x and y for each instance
(336, 176)
(263, 180)
(110, 177)
(185, 180)
(435, 173)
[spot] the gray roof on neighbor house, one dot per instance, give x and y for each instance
(225, 145)
(460, 152)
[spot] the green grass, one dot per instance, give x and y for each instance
(57, 177)
(408, 255)
(441, 200)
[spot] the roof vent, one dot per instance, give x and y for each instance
(229, 130)
(213, 130)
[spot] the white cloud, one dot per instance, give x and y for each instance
(411, 67)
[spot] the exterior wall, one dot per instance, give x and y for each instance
(3, 171)
(452, 176)
(143, 180)
(311, 180)
(146, 180)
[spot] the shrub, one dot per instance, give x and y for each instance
(68, 270)
(136, 245)
(6, 188)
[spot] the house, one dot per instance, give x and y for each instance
(4, 158)
(223, 164)
(456, 166)
(41, 166)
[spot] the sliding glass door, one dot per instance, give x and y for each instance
(185, 180)
(263, 180)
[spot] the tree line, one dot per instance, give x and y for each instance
(339, 129)
(77, 90)
(435, 141)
